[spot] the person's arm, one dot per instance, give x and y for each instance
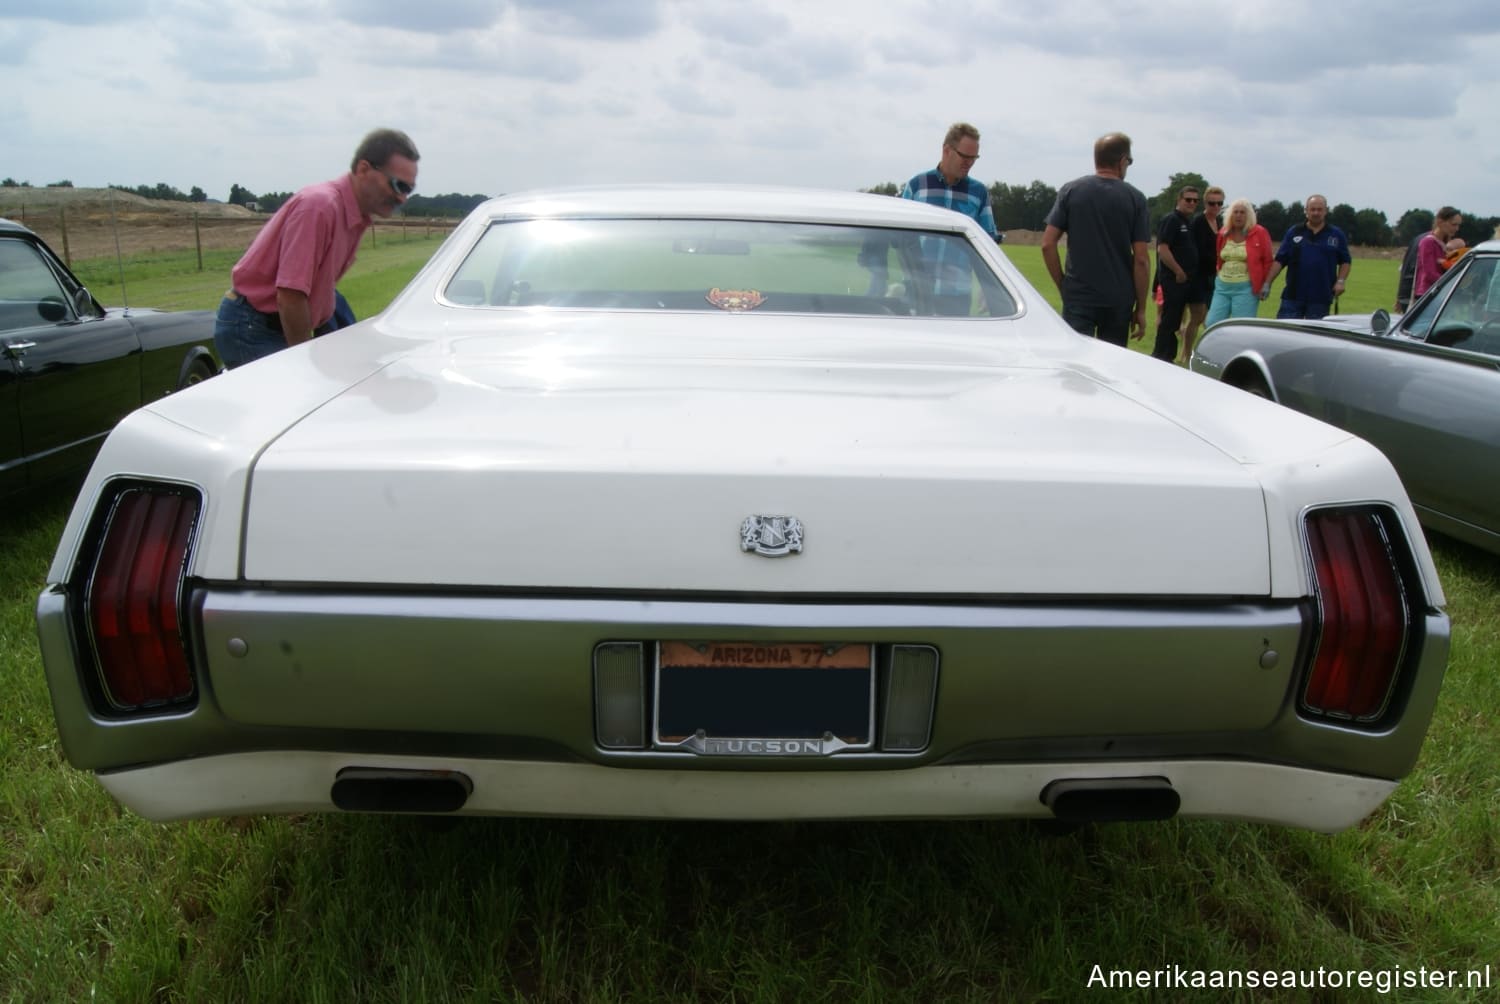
(1168, 260)
(1271, 275)
(1142, 274)
(296, 316)
(1345, 263)
(987, 220)
(1258, 258)
(1050, 256)
(1342, 280)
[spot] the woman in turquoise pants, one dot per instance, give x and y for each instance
(1244, 259)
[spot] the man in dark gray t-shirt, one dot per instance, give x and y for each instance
(1108, 227)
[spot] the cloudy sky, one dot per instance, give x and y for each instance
(1390, 105)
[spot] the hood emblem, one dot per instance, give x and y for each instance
(772, 536)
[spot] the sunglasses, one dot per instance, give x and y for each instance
(966, 156)
(1213, 202)
(401, 188)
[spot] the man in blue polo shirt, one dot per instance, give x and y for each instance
(1315, 255)
(949, 185)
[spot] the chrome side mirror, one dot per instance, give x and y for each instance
(1380, 321)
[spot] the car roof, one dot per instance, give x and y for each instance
(726, 202)
(12, 227)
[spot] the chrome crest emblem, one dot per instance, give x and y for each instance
(772, 536)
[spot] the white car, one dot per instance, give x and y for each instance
(737, 503)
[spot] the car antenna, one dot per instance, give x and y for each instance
(114, 223)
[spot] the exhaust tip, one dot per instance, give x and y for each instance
(371, 789)
(1112, 799)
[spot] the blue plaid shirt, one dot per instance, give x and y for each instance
(951, 277)
(968, 197)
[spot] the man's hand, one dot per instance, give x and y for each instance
(1138, 323)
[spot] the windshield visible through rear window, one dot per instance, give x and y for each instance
(728, 265)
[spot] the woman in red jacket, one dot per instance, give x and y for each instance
(1244, 259)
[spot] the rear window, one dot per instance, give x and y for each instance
(728, 265)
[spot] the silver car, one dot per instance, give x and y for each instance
(1424, 387)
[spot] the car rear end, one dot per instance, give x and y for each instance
(612, 637)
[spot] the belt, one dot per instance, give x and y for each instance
(273, 320)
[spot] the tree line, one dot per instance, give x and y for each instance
(1025, 207)
(451, 205)
(1016, 207)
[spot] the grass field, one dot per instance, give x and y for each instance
(101, 905)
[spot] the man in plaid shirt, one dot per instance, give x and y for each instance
(949, 185)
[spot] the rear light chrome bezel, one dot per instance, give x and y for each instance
(108, 697)
(1396, 575)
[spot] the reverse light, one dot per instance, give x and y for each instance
(132, 599)
(1365, 611)
(620, 695)
(911, 689)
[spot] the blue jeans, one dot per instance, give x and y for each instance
(1231, 299)
(1306, 309)
(1108, 324)
(242, 335)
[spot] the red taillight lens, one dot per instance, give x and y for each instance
(133, 600)
(1365, 611)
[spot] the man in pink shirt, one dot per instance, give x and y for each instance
(1434, 247)
(282, 290)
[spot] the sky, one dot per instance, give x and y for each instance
(1384, 105)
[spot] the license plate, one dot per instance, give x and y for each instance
(764, 698)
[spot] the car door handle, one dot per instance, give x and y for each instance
(18, 348)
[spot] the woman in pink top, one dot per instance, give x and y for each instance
(1244, 259)
(1434, 248)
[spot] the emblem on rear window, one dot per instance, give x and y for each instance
(772, 536)
(736, 299)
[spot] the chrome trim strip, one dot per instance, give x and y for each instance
(1147, 615)
(300, 781)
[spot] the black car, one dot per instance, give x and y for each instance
(70, 368)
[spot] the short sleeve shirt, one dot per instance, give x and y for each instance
(1176, 232)
(1312, 262)
(307, 246)
(1104, 218)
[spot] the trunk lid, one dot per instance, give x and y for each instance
(920, 466)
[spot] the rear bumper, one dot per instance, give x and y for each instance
(504, 687)
(302, 781)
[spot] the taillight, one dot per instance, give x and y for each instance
(1365, 613)
(133, 597)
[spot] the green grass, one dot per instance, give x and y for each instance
(171, 280)
(99, 904)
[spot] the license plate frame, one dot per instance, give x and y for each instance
(748, 698)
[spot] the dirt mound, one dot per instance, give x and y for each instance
(90, 202)
(83, 223)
